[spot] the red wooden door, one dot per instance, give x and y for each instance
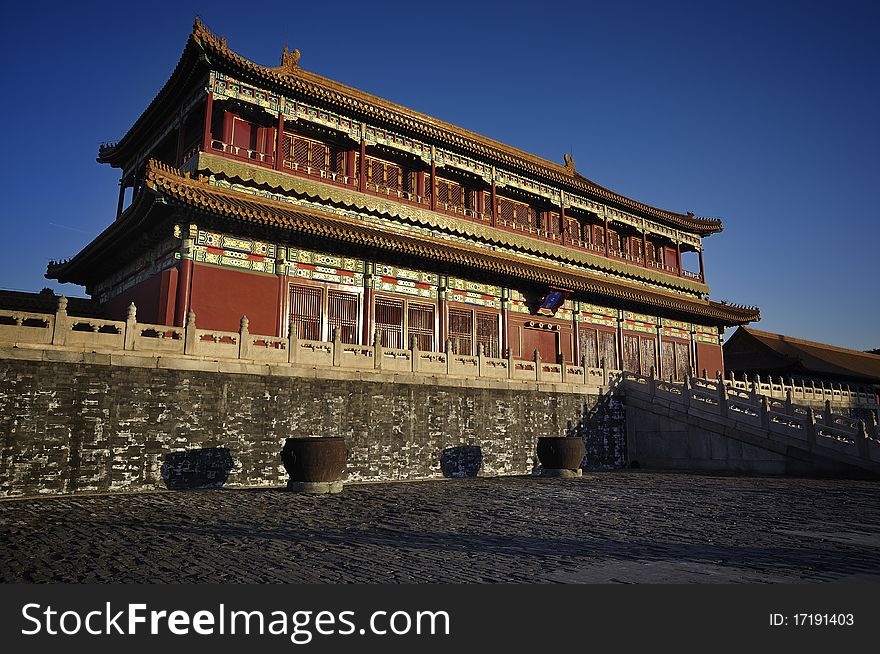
(545, 342)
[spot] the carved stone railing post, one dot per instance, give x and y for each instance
(686, 392)
(447, 349)
(337, 347)
(539, 369)
(765, 412)
(862, 441)
(722, 398)
(130, 327)
(189, 339)
(414, 353)
(788, 402)
(244, 339)
(652, 383)
(480, 363)
(811, 427)
(377, 350)
(829, 421)
(293, 345)
(62, 323)
(704, 376)
(511, 364)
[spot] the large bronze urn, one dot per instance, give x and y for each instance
(561, 456)
(315, 464)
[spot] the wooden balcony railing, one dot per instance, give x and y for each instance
(408, 197)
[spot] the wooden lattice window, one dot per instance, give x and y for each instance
(384, 174)
(389, 322)
(461, 330)
(305, 312)
(488, 334)
(648, 355)
(667, 360)
(630, 353)
(607, 350)
(590, 348)
(614, 244)
(342, 313)
(420, 325)
(303, 152)
(682, 360)
(553, 223)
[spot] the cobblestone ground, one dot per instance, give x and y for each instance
(624, 527)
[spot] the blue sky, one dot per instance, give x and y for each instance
(763, 114)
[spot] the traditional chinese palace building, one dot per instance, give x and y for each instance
(308, 205)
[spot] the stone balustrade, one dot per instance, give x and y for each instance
(753, 407)
(60, 329)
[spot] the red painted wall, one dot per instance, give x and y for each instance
(153, 297)
(220, 297)
(710, 358)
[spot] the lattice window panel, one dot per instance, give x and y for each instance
(553, 223)
(305, 312)
(461, 330)
(667, 360)
(342, 313)
(384, 174)
(420, 319)
(488, 334)
(590, 348)
(682, 360)
(573, 229)
(614, 243)
(648, 355)
(389, 322)
(607, 350)
(631, 353)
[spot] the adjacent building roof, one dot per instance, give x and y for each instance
(169, 186)
(291, 79)
(47, 302)
(752, 351)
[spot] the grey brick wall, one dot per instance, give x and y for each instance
(77, 427)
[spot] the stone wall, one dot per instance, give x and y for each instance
(72, 427)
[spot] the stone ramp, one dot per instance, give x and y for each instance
(710, 424)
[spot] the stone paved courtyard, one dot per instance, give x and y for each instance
(626, 526)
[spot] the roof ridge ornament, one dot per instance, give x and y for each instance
(569, 163)
(289, 60)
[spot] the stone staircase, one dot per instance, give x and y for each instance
(717, 424)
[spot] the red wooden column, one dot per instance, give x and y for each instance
(563, 223)
(362, 173)
(433, 185)
(702, 272)
(494, 204)
(576, 354)
(678, 256)
(209, 108)
(420, 185)
(607, 244)
(279, 138)
(367, 331)
(442, 323)
(505, 320)
(645, 248)
(184, 284)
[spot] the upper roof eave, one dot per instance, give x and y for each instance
(295, 79)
